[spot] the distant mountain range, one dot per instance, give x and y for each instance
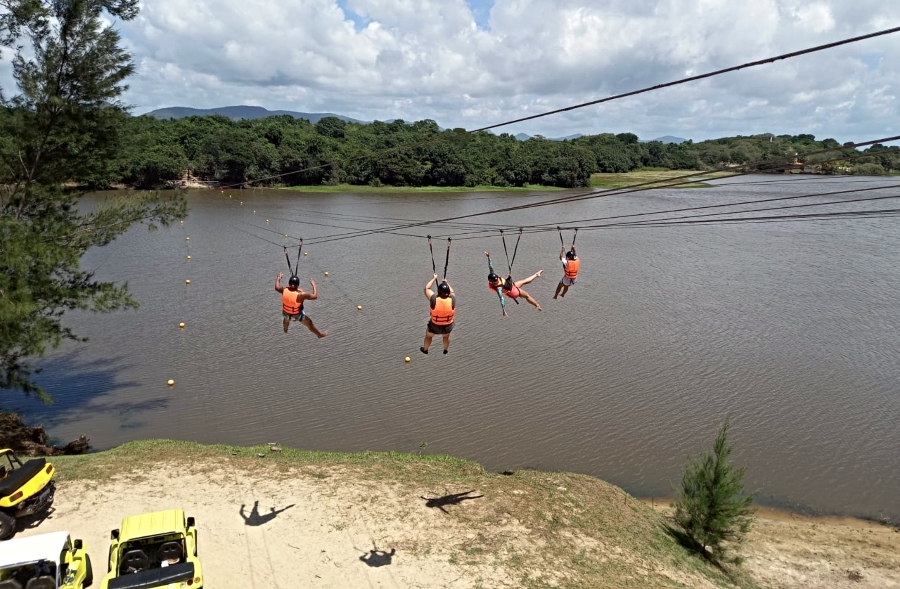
(242, 112)
(666, 139)
(258, 112)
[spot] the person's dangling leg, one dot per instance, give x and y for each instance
(529, 298)
(309, 324)
(427, 344)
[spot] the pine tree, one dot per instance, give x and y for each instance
(711, 507)
(60, 130)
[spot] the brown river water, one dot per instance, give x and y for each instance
(790, 329)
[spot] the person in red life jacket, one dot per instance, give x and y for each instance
(292, 298)
(571, 263)
(443, 311)
(509, 288)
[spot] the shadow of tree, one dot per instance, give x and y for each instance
(73, 385)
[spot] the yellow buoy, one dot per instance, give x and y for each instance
(182, 222)
(189, 257)
(254, 211)
(304, 253)
(242, 203)
(187, 281)
(359, 307)
(188, 238)
(407, 360)
(267, 220)
(181, 325)
(326, 274)
(170, 382)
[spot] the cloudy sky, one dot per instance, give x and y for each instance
(474, 63)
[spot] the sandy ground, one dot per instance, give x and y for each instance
(786, 551)
(300, 531)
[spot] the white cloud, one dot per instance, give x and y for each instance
(415, 59)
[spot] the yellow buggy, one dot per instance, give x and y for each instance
(45, 561)
(25, 489)
(156, 549)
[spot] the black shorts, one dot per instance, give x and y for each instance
(438, 329)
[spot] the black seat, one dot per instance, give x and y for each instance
(19, 476)
(134, 561)
(169, 551)
(42, 582)
(10, 584)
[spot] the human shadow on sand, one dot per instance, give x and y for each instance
(378, 558)
(255, 518)
(449, 499)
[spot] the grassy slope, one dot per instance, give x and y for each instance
(655, 178)
(548, 529)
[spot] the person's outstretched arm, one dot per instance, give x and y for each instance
(315, 293)
(278, 286)
(428, 292)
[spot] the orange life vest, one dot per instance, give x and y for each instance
(289, 302)
(443, 311)
(571, 268)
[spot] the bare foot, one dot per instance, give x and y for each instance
(321, 335)
(538, 307)
(554, 298)
(538, 273)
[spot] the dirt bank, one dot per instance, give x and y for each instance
(33, 441)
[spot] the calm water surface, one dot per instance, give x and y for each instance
(791, 329)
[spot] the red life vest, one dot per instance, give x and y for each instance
(289, 302)
(443, 311)
(571, 268)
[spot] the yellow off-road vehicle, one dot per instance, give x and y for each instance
(45, 561)
(154, 550)
(25, 489)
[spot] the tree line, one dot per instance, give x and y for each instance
(284, 151)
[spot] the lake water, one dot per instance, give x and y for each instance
(790, 329)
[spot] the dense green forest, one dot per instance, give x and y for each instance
(282, 150)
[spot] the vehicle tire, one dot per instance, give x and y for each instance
(196, 543)
(7, 525)
(89, 575)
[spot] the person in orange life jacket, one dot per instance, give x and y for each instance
(292, 299)
(570, 262)
(496, 284)
(443, 311)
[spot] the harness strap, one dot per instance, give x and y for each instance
(433, 268)
(446, 260)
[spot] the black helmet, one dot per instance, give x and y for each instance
(294, 281)
(492, 277)
(444, 289)
(570, 254)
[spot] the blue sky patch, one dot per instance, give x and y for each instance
(481, 10)
(359, 23)
(872, 60)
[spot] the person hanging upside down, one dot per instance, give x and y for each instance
(443, 311)
(292, 299)
(570, 262)
(509, 288)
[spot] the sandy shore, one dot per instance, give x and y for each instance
(785, 551)
(272, 523)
